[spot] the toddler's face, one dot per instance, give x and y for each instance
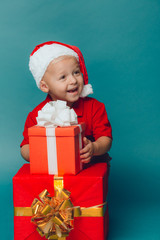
(63, 80)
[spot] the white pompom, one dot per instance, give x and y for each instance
(87, 89)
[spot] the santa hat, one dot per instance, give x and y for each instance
(44, 53)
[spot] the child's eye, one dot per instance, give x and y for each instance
(62, 77)
(77, 72)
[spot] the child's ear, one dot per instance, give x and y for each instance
(43, 86)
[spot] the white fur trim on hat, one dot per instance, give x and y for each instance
(87, 89)
(40, 60)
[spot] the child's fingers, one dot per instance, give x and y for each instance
(86, 155)
(86, 141)
(86, 147)
(86, 160)
(84, 150)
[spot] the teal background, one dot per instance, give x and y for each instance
(120, 43)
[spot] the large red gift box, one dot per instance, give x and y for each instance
(88, 189)
(56, 150)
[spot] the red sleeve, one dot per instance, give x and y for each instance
(30, 121)
(100, 123)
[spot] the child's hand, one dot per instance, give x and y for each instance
(87, 152)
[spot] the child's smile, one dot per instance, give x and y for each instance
(63, 80)
(74, 90)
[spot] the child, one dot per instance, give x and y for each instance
(59, 70)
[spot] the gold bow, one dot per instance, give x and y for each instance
(54, 216)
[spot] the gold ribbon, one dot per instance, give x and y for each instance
(54, 216)
(85, 212)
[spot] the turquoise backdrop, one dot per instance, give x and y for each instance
(120, 41)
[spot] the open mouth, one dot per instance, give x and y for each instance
(73, 90)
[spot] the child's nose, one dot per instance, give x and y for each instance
(72, 79)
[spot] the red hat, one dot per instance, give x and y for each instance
(44, 53)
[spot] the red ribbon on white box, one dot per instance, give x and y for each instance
(52, 149)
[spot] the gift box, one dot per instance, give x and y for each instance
(88, 191)
(56, 150)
